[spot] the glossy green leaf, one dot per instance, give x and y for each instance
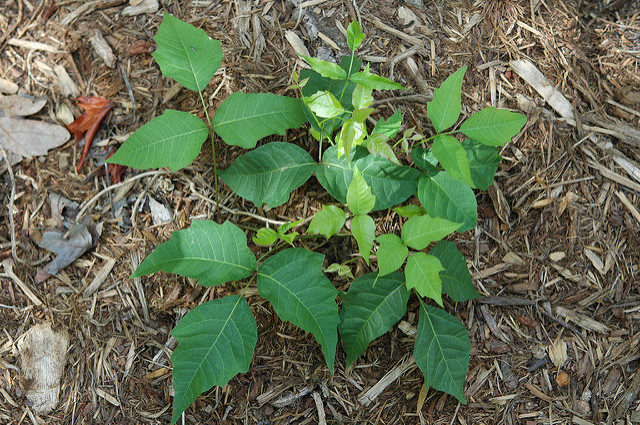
(172, 140)
(245, 118)
(324, 104)
(423, 273)
(215, 342)
(424, 159)
(391, 253)
(209, 252)
(186, 53)
(442, 351)
(453, 158)
(418, 232)
(355, 36)
(390, 183)
(328, 221)
(292, 280)
(363, 229)
(370, 308)
(446, 105)
(268, 174)
(326, 69)
(265, 237)
(409, 211)
(359, 197)
(493, 127)
(389, 127)
(483, 162)
(373, 81)
(443, 196)
(456, 279)
(351, 134)
(361, 97)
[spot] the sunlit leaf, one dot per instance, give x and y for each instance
(493, 127)
(328, 221)
(446, 105)
(423, 273)
(363, 229)
(391, 253)
(453, 158)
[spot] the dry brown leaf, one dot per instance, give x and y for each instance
(558, 352)
(30, 138)
(21, 106)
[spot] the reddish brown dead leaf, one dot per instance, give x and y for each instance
(95, 109)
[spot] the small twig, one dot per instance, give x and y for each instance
(130, 90)
(12, 196)
(322, 418)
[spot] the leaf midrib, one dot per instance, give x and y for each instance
(377, 308)
(435, 337)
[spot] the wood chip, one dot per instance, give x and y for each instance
(370, 395)
(634, 212)
(582, 320)
(100, 277)
(296, 43)
(8, 270)
(111, 399)
(8, 87)
(103, 49)
(33, 45)
(67, 86)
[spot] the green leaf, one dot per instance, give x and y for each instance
(355, 36)
(391, 253)
(324, 104)
(265, 237)
(245, 118)
(285, 227)
(361, 97)
(359, 197)
(409, 211)
(326, 69)
(268, 174)
(373, 81)
(390, 127)
(364, 230)
(445, 107)
(456, 279)
(215, 342)
(328, 221)
(292, 280)
(390, 183)
(209, 252)
(351, 134)
(341, 269)
(186, 53)
(370, 308)
(493, 127)
(423, 274)
(453, 158)
(442, 351)
(377, 145)
(424, 159)
(443, 196)
(419, 232)
(483, 162)
(171, 140)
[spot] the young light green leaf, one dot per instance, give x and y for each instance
(355, 36)
(445, 107)
(390, 127)
(423, 274)
(186, 53)
(409, 211)
(341, 269)
(424, 159)
(359, 197)
(456, 279)
(483, 162)
(443, 196)
(324, 104)
(373, 81)
(453, 158)
(326, 69)
(351, 134)
(370, 308)
(215, 342)
(493, 127)
(171, 140)
(418, 232)
(361, 97)
(363, 229)
(377, 145)
(209, 252)
(289, 237)
(391, 253)
(265, 237)
(328, 221)
(390, 183)
(442, 351)
(245, 118)
(285, 227)
(292, 280)
(268, 174)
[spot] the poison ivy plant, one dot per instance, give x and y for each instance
(362, 171)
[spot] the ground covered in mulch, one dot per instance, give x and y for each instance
(556, 252)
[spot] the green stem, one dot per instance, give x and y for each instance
(213, 147)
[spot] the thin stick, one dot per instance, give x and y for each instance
(12, 196)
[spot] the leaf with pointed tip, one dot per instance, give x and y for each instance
(370, 308)
(293, 282)
(328, 221)
(390, 127)
(493, 127)
(265, 237)
(363, 229)
(418, 232)
(453, 158)
(186, 53)
(244, 118)
(215, 342)
(354, 35)
(422, 272)
(268, 174)
(424, 159)
(446, 105)
(443, 196)
(209, 252)
(324, 104)
(326, 69)
(361, 97)
(408, 211)
(483, 162)
(442, 351)
(359, 197)
(172, 140)
(373, 81)
(391, 253)
(456, 279)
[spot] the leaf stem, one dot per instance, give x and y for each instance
(213, 148)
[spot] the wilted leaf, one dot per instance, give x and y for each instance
(95, 109)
